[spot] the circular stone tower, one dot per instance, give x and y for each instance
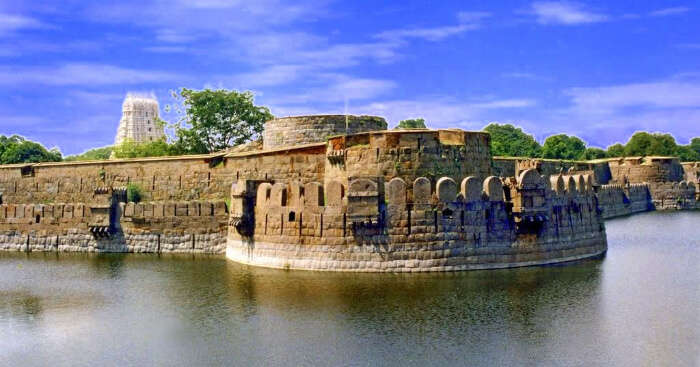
(139, 120)
(299, 130)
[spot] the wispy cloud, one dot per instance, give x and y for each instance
(442, 112)
(81, 74)
(594, 113)
(10, 23)
(669, 11)
(661, 94)
(519, 75)
(467, 21)
(562, 12)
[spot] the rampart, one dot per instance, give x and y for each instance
(350, 196)
(664, 176)
(81, 206)
(390, 201)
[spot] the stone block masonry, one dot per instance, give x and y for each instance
(441, 229)
(142, 227)
(340, 193)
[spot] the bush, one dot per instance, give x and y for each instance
(411, 124)
(133, 193)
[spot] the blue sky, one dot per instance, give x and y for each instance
(600, 70)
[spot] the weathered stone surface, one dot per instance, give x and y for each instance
(335, 192)
(446, 189)
(264, 194)
(493, 188)
(421, 191)
(279, 195)
(396, 191)
(471, 189)
(313, 194)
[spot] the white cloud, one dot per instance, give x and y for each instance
(167, 49)
(669, 11)
(519, 75)
(440, 112)
(81, 74)
(10, 23)
(272, 75)
(561, 12)
(333, 88)
(596, 113)
(467, 21)
(662, 94)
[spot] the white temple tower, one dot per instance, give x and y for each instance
(139, 120)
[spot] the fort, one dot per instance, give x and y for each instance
(341, 193)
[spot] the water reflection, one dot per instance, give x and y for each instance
(196, 310)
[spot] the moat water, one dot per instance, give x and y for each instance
(640, 305)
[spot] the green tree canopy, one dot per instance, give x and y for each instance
(158, 148)
(96, 154)
(687, 154)
(563, 146)
(510, 141)
(695, 145)
(616, 150)
(645, 144)
(411, 124)
(594, 153)
(16, 149)
(214, 120)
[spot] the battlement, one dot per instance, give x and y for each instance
(293, 224)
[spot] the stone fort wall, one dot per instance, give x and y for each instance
(143, 227)
(664, 176)
(68, 206)
(399, 200)
(300, 130)
(398, 226)
(160, 179)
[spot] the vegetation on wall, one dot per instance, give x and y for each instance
(411, 124)
(16, 149)
(134, 193)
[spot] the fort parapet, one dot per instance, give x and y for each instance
(340, 193)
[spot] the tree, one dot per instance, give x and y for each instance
(644, 144)
(562, 146)
(695, 145)
(509, 141)
(686, 154)
(96, 154)
(594, 153)
(158, 148)
(411, 124)
(616, 150)
(16, 149)
(214, 120)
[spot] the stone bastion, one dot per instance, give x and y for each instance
(299, 130)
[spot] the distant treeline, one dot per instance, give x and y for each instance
(510, 141)
(16, 149)
(506, 140)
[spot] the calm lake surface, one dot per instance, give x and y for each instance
(638, 306)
